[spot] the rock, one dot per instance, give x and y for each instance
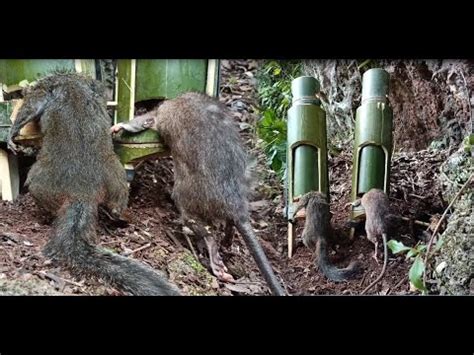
(26, 287)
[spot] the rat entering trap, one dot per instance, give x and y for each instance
(307, 149)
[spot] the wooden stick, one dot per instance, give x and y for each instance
(138, 249)
(9, 176)
(421, 223)
(291, 235)
(418, 196)
(235, 282)
(191, 247)
(173, 239)
(363, 279)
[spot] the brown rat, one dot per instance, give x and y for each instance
(211, 173)
(377, 210)
(315, 234)
(75, 171)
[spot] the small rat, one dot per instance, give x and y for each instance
(377, 209)
(316, 231)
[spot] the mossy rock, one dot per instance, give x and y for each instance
(453, 268)
(30, 287)
(192, 276)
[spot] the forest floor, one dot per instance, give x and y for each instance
(154, 235)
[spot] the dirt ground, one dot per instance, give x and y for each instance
(154, 236)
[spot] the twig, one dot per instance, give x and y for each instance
(137, 165)
(104, 211)
(428, 249)
(363, 64)
(246, 283)
(468, 94)
(397, 285)
(107, 229)
(138, 249)
(141, 230)
(11, 236)
(56, 278)
(191, 247)
(385, 262)
(421, 223)
(173, 239)
(418, 196)
(108, 243)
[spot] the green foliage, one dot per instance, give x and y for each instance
(367, 64)
(272, 130)
(416, 254)
(274, 91)
(396, 246)
(416, 273)
(468, 143)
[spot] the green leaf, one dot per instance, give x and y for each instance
(412, 252)
(273, 154)
(274, 91)
(418, 249)
(416, 274)
(269, 116)
(282, 148)
(396, 246)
